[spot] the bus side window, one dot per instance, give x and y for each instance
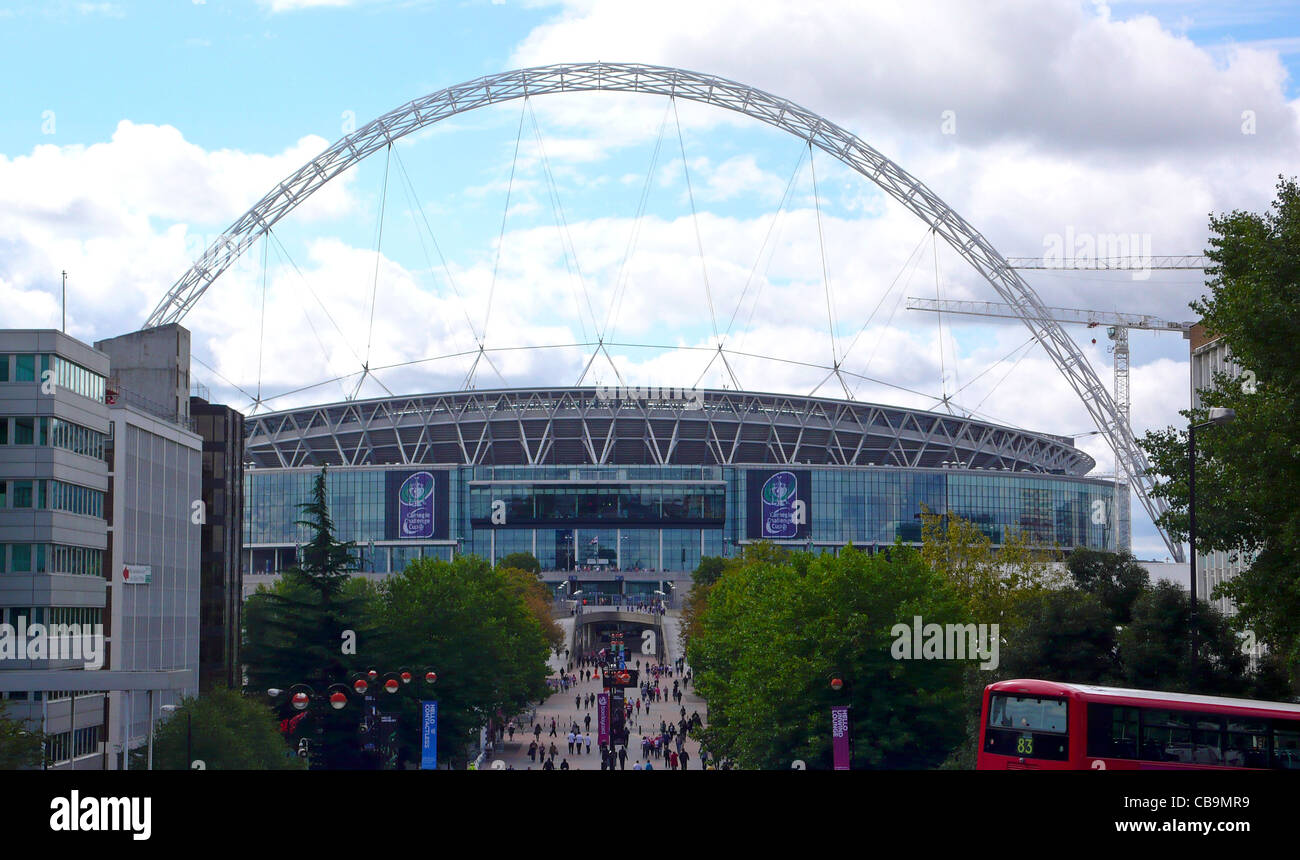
(1247, 743)
(1286, 744)
(1112, 731)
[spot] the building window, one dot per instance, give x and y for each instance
(24, 368)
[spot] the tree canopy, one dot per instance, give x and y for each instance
(228, 732)
(1246, 470)
(20, 746)
(777, 626)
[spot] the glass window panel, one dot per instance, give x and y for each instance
(25, 368)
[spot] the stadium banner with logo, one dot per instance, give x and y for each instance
(602, 718)
(840, 736)
(429, 736)
(416, 505)
(778, 504)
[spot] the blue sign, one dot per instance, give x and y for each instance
(429, 736)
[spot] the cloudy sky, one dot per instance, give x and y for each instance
(140, 131)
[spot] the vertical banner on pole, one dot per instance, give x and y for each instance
(602, 718)
(840, 736)
(429, 736)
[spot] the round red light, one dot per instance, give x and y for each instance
(300, 701)
(430, 677)
(360, 685)
(406, 677)
(837, 684)
(390, 685)
(338, 700)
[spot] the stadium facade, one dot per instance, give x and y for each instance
(630, 486)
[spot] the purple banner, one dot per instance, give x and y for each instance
(602, 718)
(415, 506)
(840, 736)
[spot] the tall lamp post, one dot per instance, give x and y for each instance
(1218, 415)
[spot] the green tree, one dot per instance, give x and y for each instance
(709, 570)
(314, 627)
(473, 625)
(1066, 635)
(522, 561)
(537, 597)
(20, 745)
(1115, 579)
(991, 582)
(1247, 470)
(778, 626)
(1155, 647)
(229, 732)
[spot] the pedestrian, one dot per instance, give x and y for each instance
(552, 726)
(587, 722)
(570, 743)
(564, 764)
(622, 758)
(532, 751)
(686, 757)
(672, 761)
(510, 729)
(537, 731)
(588, 740)
(577, 703)
(554, 751)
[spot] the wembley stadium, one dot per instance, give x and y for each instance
(628, 491)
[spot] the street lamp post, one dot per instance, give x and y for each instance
(1218, 415)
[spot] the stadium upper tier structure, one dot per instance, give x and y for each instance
(628, 488)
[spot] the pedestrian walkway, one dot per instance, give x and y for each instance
(561, 707)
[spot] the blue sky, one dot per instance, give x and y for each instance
(140, 130)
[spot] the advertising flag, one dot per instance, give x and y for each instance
(429, 736)
(602, 718)
(840, 736)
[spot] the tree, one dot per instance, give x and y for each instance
(314, 628)
(522, 561)
(473, 625)
(1246, 471)
(778, 626)
(709, 570)
(20, 746)
(537, 597)
(1066, 635)
(992, 583)
(1115, 579)
(1155, 647)
(229, 732)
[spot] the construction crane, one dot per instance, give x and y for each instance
(1117, 324)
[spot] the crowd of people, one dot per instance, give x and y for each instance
(560, 744)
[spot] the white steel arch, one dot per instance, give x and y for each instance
(781, 113)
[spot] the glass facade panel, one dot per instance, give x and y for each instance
(666, 518)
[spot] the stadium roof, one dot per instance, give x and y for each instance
(594, 427)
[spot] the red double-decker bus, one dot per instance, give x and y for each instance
(1045, 725)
